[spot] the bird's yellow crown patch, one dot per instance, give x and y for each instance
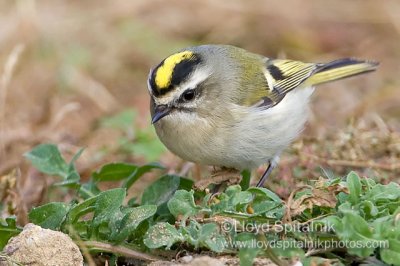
(164, 72)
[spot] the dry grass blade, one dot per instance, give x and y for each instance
(5, 79)
(393, 8)
(92, 89)
(63, 112)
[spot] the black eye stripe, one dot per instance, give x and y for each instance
(183, 69)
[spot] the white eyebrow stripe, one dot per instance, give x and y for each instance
(198, 76)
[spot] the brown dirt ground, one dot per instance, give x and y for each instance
(64, 65)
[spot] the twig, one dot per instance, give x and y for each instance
(121, 250)
(318, 251)
(358, 164)
(315, 218)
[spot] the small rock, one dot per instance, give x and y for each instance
(186, 259)
(38, 246)
(206, 261)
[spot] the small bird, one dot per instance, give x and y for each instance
(223, 106)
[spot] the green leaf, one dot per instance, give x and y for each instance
(75, 158)
(387, 192)
(72, 181)
(132, 219)
(287, 248)
(390, 256)
(109, 201)
(47, 159)
(80, 209)
(267, 203)
(233, 190)
(132, 202)
(50, 215)
(387, 229)
(80, 228)
(162, 234)
(333, 222)
(190, 233)
(354, 229)
(210, 237)
(243, 197)
(247, 244)
(369, 209)
(233, 200)
(88, 190)
(135, 175)
(182, 204)
(268, 193)
(114, 172)
(107, 209)
(162, 190)
(247, 256)
(354, 185)
(248, 251)
(73, 177)
(8, 229)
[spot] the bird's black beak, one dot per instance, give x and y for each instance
(159, 112)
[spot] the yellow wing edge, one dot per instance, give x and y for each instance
(339, 69)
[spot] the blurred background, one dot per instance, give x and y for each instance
(74, 73)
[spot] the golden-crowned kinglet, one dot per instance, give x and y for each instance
(223, 106)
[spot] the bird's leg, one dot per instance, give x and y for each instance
(265, 176)
(230, 176)
(271, 165)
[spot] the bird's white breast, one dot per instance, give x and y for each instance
(252, 138)
(262, 135)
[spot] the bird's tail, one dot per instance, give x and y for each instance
(341, 68)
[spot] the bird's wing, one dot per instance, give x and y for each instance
(285, 75)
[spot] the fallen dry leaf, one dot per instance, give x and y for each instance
(322, 195)
(318, 197)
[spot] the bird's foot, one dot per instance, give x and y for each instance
(218, 177)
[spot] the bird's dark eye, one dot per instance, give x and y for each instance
(188, 95)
